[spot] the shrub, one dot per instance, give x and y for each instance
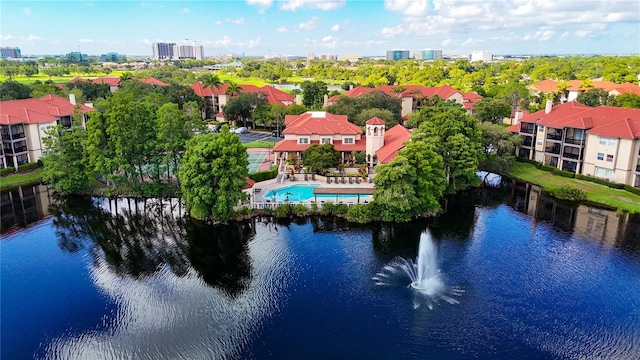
(265, 175)
(632, 189)
(359, 213)
(28, 166)
(563, 173)
(283, 210)
(567, 192)
(547, 168)
(7, 171)
(300, 210)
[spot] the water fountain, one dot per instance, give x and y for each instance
(422, 276)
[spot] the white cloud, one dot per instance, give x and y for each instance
(218, 22)
(6, 37)
(335, 27)
(308, 25)
(26, 11)
(446, 42)
(184, 10)
(238, 21)
(293, 5)
(408, 7)
(462, 17)
(33, 38)
(228, 42)
(282, 29)
(86, 40)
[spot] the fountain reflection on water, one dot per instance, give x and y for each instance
(423, 276)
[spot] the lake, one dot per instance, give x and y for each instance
(92, 278)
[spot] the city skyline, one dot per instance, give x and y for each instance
(341, 27)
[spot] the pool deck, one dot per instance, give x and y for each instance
(262, 188)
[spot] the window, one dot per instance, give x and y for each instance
(539, 142)
(603, 141)
(612, 142)
(303, 140)
(325, 140)
(541, 128)
(608, 141)
(347, 140)
(602, 172)
(600, 156)
(609, 158)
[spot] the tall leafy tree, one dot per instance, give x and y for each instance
(64, 168)
(498, 147)
(173, 132)
(354, 107)
(313, 93)
(233, 89)
(213, 170)
(491, 110)
(595, 97)
(318, 158)
(628, 100)
(411, 184)
(240, 108)
(13, 90)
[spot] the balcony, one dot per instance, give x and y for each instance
(570, 155)
(574, 141)
(527, 130)
(13, 136)
(638, 168)
(553, 149)
(554, 137)
(20, 149)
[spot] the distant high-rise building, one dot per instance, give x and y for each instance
(192, 52)
(397, 55)
(163, 51)
(10, 53)
(327, 57)
(311, 56)
(483, 56)
(427, 54)
(112, 57)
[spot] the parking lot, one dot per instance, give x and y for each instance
(254, 136)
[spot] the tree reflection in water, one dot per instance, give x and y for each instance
(138, 238)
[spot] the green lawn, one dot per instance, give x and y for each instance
(259, 144)
(596, 193)
(21, 179)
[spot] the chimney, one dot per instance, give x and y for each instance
(548, 106)
(72, 99)
(351, 85)
(326, 100)
(517, 117)
(298, 100)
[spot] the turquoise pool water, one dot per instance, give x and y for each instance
(296, 193)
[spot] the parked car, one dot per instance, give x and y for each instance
(242, 130)
(216, 128)
(276, 133)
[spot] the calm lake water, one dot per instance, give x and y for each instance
(100, 279)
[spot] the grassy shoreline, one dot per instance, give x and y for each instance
(595, 193)
(13, 181)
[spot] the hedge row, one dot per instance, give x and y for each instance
(264, 175)
(568, 174)
(22, 168)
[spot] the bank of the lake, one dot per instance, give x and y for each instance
(13, 181)
(595, 193)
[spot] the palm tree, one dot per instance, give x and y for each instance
(233, 89)
(211, 81)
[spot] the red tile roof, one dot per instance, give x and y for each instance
(375, 121)
(515, 128)
(414, 91)
(394, 140)
(550, 86)
(272, 94)
(36, 111)
(605, 121)
(154, 81)
(320, 123)
(248, 183)
(111, 81)
(292, 145)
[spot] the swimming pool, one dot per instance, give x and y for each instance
(297, 193)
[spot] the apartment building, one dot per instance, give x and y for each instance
(321, 127)
(603, 142)
(397, 55)
(24, 124)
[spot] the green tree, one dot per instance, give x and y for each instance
(174, 130)
(318, 158)
(296, 109)
(64, 168)
(384, 114)
(313, 93)
(354, 107)
(13, 90)
(628, 100)
(233, 89)
(498, 148)
(240, 108)
(492, 110)
(595, 97)
(213, 171)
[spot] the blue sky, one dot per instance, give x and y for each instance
(340, 27)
